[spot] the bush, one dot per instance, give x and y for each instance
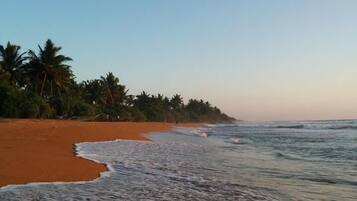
(17, 103)
(10, 99)
(132, 114)
(34, 106)
(120, 113)
(71, 106)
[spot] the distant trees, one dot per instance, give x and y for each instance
(200, 111)
(42, 85)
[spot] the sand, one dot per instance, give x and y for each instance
(43, 150)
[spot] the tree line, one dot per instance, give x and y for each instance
(41, 84)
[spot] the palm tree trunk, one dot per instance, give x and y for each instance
(12, 79)
(51, 88)
(110, 97)
(43, 84)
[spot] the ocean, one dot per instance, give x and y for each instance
(304, 160)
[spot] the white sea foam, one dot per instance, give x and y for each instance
(235, 140)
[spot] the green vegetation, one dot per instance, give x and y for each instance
(41, 85)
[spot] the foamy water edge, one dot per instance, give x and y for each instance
(81, 154)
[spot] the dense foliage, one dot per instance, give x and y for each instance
(41, 85)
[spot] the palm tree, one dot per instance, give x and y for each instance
(114, 92)
(93, 91)
(176, 102)
(142, 101)
(48, 69)
(11, 61)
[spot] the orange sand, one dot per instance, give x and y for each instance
(43, 150)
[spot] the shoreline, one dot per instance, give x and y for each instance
(46, 151)
(78, 154)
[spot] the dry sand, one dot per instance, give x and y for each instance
(43, 150)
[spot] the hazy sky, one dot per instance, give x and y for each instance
(256, 60)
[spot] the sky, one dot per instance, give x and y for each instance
(255, 59)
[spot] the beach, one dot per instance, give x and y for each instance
(44, 150)
(266, 161)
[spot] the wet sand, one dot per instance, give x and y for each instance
(43, 150)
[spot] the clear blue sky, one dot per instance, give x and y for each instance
(257, 60)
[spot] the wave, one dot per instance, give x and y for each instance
(200, 132)
(235, 140)
(311, 125)
(330, 181)
(343, 127)
(288, 157)
(203, 134)
(302, 126)
(299, 126)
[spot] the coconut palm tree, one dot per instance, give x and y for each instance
(93, 91)
(142, 100)
(176, 102)
(114, 92)
(48, 70)
(11, 62)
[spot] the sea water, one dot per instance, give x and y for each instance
(309, 160)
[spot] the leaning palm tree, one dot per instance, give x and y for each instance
(48, 70)
(11, 62)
